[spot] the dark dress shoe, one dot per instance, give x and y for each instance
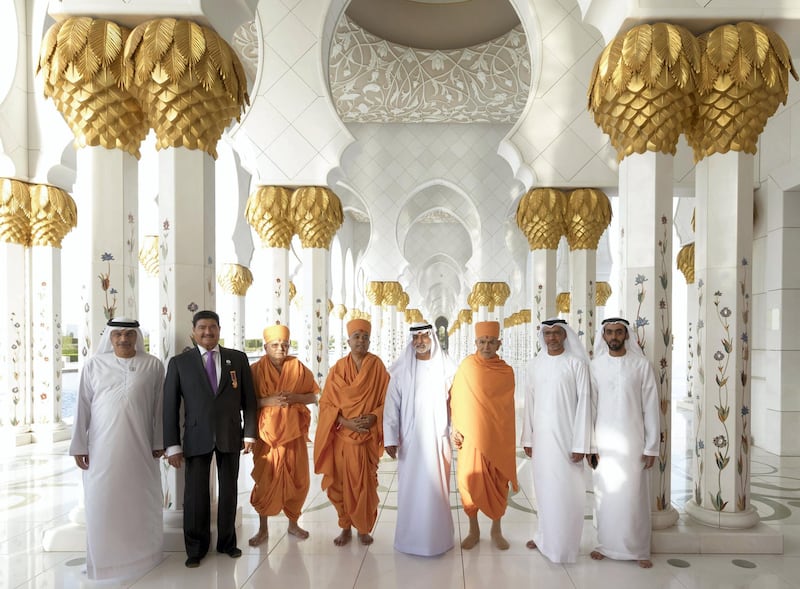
(234, 552)
(192, 562)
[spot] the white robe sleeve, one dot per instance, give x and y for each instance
(391, 414)
(526, 439)
(593, 397)
(83, 414)
(650, 411)
(582, 424)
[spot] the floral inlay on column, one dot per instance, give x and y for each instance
(640, 322)
(166, 313)
(699, 444)
(110, 306)
(742, 462)
(722, 357)
(662, 369)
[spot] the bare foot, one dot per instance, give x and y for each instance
(646, 564)
(365, 539)
(343, 538)
(596, 555)
(259, 538)
(470, 541)
(297, 531)
(499, 541)
(531, 545)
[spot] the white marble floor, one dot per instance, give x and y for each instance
(40, 485)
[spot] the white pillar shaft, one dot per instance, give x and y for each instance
(13, 338)
(582, 272)
(646, 224)
(543, 289)
(723, 252)
(376, 319)
(315, 310)
(107, 188)
(691, 321)
(276, 273)
(186, 272)
(46, 338)
(236, 314)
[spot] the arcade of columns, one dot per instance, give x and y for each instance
(650, 85)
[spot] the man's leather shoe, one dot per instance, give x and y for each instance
(234, 552)
(192, 562)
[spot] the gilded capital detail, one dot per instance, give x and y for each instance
(563, 300)
(81, 62)
(541, 217)
(148, 255)
(15, 212)
(317, 215)
(602, 293)
(588, 215)
(500, 293)
(375, 292)
(391, 293)
(641, 91)
(269, 213)
(189, 81)
(744, 77)
(235, 279)
(53, 215)
(685, 262)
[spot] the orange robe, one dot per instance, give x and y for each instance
(482, 405)
(348, 460)
(280, 456)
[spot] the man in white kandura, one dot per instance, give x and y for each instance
(117, 442)
(628, 432)
(556, 434)
(416, 431)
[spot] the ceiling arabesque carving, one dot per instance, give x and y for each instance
(375, 81)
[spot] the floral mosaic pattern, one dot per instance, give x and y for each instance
(743, 460)
(699, 444)
(373, 80)
(662, 368)
(110, 304)
(166, 312)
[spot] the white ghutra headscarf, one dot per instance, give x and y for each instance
(631, 344)
(572, 345)
(116, 324)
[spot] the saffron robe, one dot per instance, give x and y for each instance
(627, 426)
(280, 455)
(348, 460)
(482, 405)
(557, 422)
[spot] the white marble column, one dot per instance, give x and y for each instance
(15, 206)
(582, 273)
(645, 209)
(544, 289)
(112, 272)
(186, 241)
(723, 252)
(234, 280)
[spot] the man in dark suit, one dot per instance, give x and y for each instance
(216, 388)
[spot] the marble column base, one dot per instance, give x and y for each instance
(738, 520)
(690, 537)
(661, 520)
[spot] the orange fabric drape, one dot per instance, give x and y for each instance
(482, 405)
(348, 460)
(280, 456)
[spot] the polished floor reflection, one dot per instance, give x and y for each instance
(40, 485)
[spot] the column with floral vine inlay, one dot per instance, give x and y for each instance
(588, 215)
(53, 215)
(189, 94)
(375, 297)
(15, 212)
(744, 76)
(82, 66)
(268, 212)
(317, 215)
(235, 279)
(541, 216)
(642, 95)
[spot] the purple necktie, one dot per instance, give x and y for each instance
(211, 370)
